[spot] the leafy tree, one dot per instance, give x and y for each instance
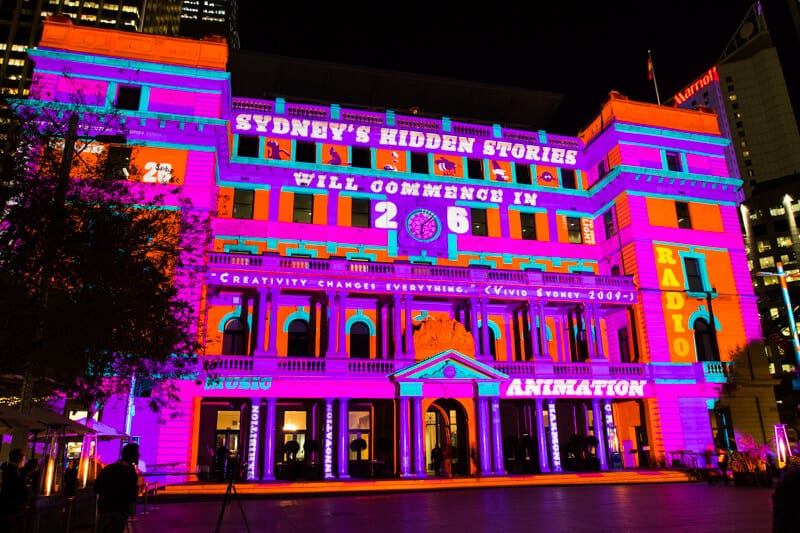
(98, 275)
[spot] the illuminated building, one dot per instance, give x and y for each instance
(380, 283)
(21, 27)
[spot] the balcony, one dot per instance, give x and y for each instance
(299, 367)
(249, 270)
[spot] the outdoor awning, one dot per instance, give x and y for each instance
(103, 430)
(39, 420)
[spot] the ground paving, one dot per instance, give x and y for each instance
(618, 502)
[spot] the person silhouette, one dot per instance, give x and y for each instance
(436, 459)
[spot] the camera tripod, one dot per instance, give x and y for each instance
(229, 493)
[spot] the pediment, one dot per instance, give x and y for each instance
(448, 365)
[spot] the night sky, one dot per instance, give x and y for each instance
(580, 49)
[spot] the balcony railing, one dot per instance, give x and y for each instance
(342, 268)
(238, 365)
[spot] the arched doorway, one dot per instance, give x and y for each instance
(446, 427)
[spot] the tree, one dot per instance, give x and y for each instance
(98, 274)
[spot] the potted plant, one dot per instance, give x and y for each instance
(288, 468)
(360, 468)
(749, 462)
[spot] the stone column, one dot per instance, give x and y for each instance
(272, 348)
(473, 326)
(341, 347)
(252, 438)
(597, 418)
(555, 446)
(545, 352)
(533, 306)
(260, 320)
(327, 441)
(588, 321)
(499, 466)
(418, 425)
(541, 438)
(312, 327)
(330, 317)
(405, 439)
(343, 441)
(409, 344)
(598, 331)
(485, 348)
(269, 441)
(396, 329)
(383, 315)
(484, 437)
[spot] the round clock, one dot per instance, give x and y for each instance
(423, 225)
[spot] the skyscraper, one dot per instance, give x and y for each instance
(200, 18)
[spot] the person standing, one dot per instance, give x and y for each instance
(13, 491)
(117, 487)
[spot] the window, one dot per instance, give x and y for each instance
(297, 345)
(360, 213)
(602, 170)
(694, 278)
(305, 152)
(568, 178)
(682, 210)
(359, 340)
(234, 338)
(527, 223)
(608, 223)
(243, 203)
(523, 173)
(119, 159)
(359, 429)
(303, 210)
(128, 97)
(784, 241)
(478, 217)
(474, 169)
(763, 246)
(419, 163)
(624, 346)
(248, 146)
(615, 270)
(360, 157)
(704, 341)
(574, 233)
(674, 161)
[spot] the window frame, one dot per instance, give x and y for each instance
(306, 211)
(243, 203)
(571, 232)
(365, 212)
(683, 214)
(126, 95)
(305, 152)
(530, 226)
(476, 216)
(248, 146)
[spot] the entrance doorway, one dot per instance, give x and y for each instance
(446, 427)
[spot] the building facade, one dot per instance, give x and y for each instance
(381, 284)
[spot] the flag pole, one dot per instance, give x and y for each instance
(651, 73)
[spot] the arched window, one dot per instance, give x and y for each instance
(298, 338)
(359, 340)
(234, 338)
(704, 341)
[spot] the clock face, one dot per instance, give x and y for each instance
(423, 225)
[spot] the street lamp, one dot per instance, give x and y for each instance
(790, 310)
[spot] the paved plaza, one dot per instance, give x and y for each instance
(694, 507)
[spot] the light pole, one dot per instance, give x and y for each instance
(781, 275)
